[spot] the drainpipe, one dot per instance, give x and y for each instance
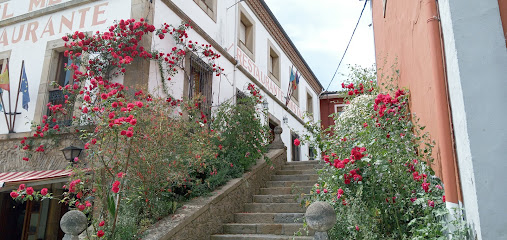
(446, 146)
(234, 96)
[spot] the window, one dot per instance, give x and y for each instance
(200, 83)
(311, 153)
(295, 95)
(338, 108)
(273, 64)
(31, 219)
(209, 7)
(309, 103)
(62, 77)
(246, 33)
(273, 122)
(295, 149)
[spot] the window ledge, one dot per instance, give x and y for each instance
(246, 50)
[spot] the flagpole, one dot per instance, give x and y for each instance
(5, 114)
(10, 109)
(17, 97)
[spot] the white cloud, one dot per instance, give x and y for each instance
(321, 29)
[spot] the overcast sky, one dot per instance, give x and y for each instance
(321, 29)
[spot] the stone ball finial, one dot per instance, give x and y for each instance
(278, 130)
(73, 222)
(320, 216)
(277, 142)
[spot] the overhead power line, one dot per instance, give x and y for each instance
(343, 56)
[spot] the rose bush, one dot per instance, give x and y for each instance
(377, 172)
(144, 154)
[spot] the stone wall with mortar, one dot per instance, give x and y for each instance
(11, 158)
(204, 216)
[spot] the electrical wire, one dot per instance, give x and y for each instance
(343, 56)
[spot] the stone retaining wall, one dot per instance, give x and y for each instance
(204, 216)
(11, 158)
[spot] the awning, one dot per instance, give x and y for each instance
(15, 178)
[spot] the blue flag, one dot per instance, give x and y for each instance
(24, 89)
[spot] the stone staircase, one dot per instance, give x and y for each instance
(276, 212)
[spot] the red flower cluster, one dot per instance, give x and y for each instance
(384, 103)
(72, 185)
(355, 91)
(116, 186)
(255, 92)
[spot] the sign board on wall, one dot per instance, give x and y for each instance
(263, 78)
(57, 24)
(12, 9)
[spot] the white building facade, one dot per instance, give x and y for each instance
(254, 48)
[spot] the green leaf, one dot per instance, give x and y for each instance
(111, 205)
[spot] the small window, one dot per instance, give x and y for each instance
(295, 95)
(296, 150)
(209, 7)
(246, 33)
(338, 108)
(273, 64)
(311, 153)
(63, 77)
(272, 125)
(309, 103)
(242, 33)
(200, 83)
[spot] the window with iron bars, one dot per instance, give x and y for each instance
(56, 96)
(200, 83)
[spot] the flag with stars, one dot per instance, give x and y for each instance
(24, 89)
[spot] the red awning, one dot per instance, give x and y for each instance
(12, 178)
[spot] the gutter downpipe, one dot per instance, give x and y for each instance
(234, 87)
(449, 107)
(443, 111)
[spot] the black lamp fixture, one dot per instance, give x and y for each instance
(285, 119)
(265, 104)
(71, 153)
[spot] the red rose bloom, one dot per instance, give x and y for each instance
(100, 233)
(14, 194)
(21, 187)
(29, 190)
(81, 207)
(44, 191)
(101, 224)
(297, 142)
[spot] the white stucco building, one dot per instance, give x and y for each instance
(254, 48)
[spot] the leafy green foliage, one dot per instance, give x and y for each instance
(378, 177)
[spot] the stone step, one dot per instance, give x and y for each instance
(285, 190)
(302, 177)
(296, 172)
(301, 167)
(287, 198)
(262, 228)
(258, 237)
(268, 217)
(313, 162)
(289, 183)
(274, 208)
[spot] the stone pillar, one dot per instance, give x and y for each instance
(277, 143)
(73, 223)
(137, 74)
(320, 216)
